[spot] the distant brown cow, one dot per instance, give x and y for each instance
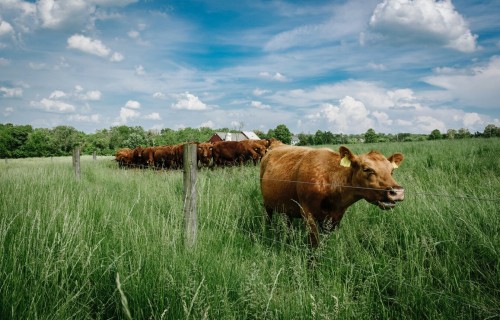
(137, 156)
(164, 157)
(319, 184)
(232, 152)
(204, 153)
(148, 156)
(124, 157)
(258, 146)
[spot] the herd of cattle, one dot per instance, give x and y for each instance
(221, 153)
(317, 185)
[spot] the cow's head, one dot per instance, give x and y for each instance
(204, 151)
(372, 176)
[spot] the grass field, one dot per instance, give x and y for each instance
(110, 245)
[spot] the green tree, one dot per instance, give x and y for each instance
(463, 133)
(281, 133)
(370, 136)
(40, 143)
(491, 131)
(67, 138)
(435, 135)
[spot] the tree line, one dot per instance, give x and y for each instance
(21, 141)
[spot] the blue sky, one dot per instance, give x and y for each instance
(342, 66)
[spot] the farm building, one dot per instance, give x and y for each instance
(232, 136)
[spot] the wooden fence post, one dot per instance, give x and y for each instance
(76, 161)
(94, 155)
(190, 171)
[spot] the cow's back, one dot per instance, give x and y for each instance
(279, 175)
(291, 175)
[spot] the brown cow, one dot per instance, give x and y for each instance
(137, 156)
(204, 153)
(319, 184)
(148, 157)
(258, 146)
(164, 157)
(232, 152)
(124, 157)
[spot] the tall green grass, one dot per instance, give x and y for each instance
(109, 245)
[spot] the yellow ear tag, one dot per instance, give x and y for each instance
(345, 162)
(394, 165)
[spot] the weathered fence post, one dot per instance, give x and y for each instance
(76, 161)
(94, 155)
(190, 171)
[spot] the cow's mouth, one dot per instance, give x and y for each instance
(385, 205)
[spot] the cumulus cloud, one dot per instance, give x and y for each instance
(50, 105)
(126, 114)
(349, 114)
(207, 124)
(5, 28)
(92, 46)
(153, 116)
(57, 94)
(132, 104)
(429, 123)
(188, 101)
(426, 21)
(259, 105)
(54, 14)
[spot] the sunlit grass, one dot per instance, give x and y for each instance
(65, 242)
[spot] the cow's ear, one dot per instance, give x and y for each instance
(346, 157)
(396, 160)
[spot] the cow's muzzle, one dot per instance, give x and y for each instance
(392, 195)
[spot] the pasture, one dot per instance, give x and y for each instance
(109, 245)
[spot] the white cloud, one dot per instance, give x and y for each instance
(153, 116)
(259, 92)
(11, 92)
(475, 86)
(259, 105)
(425, 21)
(132, 104)
(276, 76)
(207, 124)
(93, 118)
(471, 119)
(126, 114)
(188, 101)
(92, 95)
(382, 118)
(50, 105)
(429, 123)
(55, 14)
(116, 57)
(349, 114)
(88, 45)
(57, 94)
(344, 21)
(94, 47)
(5, 28)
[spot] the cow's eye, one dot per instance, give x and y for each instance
(368, 171)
